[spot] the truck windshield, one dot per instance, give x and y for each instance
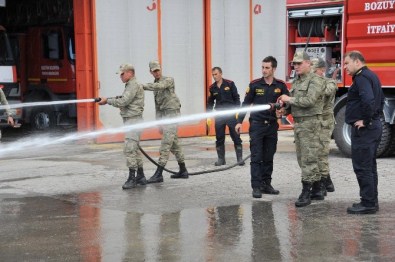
(6, 57)
(70, 47)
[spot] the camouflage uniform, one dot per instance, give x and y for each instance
(306, 107)
(327, 125)
(3, 101)
(167, 105)
(131, 105)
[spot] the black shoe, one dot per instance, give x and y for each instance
(304, 198)
(316, 191)
(183, 173)
(157, 177)
(131, 182)
(329, 184)
(256, 193)
(376, 205)
(140, 178)
(359, 209)
(268, 189)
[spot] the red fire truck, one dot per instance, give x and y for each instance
(328, 29)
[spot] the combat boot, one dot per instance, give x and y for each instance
(239, 154)
(140, 178)
(323, 188)
(304, 198)
(183, 173)
(329, 184)
(221, 156)
(316, 191)
(267, 188)
(131, 182)
(157, 177)
(256, 193)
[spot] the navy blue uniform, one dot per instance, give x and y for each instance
(365, 101)
(263, 128)
(225, 97)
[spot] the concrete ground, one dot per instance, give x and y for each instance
(65, 203)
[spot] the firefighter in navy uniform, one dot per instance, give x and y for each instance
(365, 102)
(224, 93)
(263, 127)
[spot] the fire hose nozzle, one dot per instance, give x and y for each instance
(275, 106)
(97, 99)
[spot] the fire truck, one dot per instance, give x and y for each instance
(328, 29)
(42, 40)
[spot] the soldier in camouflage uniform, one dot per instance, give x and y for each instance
(306, 105)
(328, 123)
(3, 101)
(131, 105)
(167, 105)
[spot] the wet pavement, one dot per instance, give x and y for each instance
(65, 203)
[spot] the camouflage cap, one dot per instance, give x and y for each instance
(318, 63)
(154, 65)
(300, 57)
(125, 67)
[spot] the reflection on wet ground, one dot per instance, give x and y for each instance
(83, 227)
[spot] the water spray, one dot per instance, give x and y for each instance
(32, 104)
(42, 142)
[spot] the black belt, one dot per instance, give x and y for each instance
(266, 122)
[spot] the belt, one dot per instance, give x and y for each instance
(266, 122)
(305, 118)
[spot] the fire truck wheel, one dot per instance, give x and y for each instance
(42, 119)
(342, 136)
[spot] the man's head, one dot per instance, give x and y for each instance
(318, 66)
(155, 69)
(269, 66)
(217, 73)
(353, 61)
(301, 63)
(126, 72)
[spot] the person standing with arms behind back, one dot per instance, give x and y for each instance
(327, 123)
(167, 105)
(131, 105)
(224, 93)
(263, 127)
(365, 102)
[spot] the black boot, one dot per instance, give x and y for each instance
(267, 188)
(140, 178)
(323, 187)
(304, 198)
(256, 193)
(157, 177)
(183, 173)
(316, 191)
(131, 182)
(239, 154)
(329, 184)
(221, 156)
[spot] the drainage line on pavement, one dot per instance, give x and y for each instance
(194, 173)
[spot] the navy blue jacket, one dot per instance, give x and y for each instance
(225, 96)
(365, 98)
(260, 93)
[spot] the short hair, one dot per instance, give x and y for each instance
(270, 59)
(355, 55)
(217, 68)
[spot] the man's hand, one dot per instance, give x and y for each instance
(10, 121)
(359, 124)
(103, 101)
(208, 122)
(238, 128)
(280, 112)
(284, 98)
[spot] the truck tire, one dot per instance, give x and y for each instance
(342, 136)
(42, 119)
(387, 139)
(342, 133)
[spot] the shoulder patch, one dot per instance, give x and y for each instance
(255, 80)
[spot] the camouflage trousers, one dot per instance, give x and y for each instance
(327, 126)
(307, 143)
(131, 145)
(170, 142)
